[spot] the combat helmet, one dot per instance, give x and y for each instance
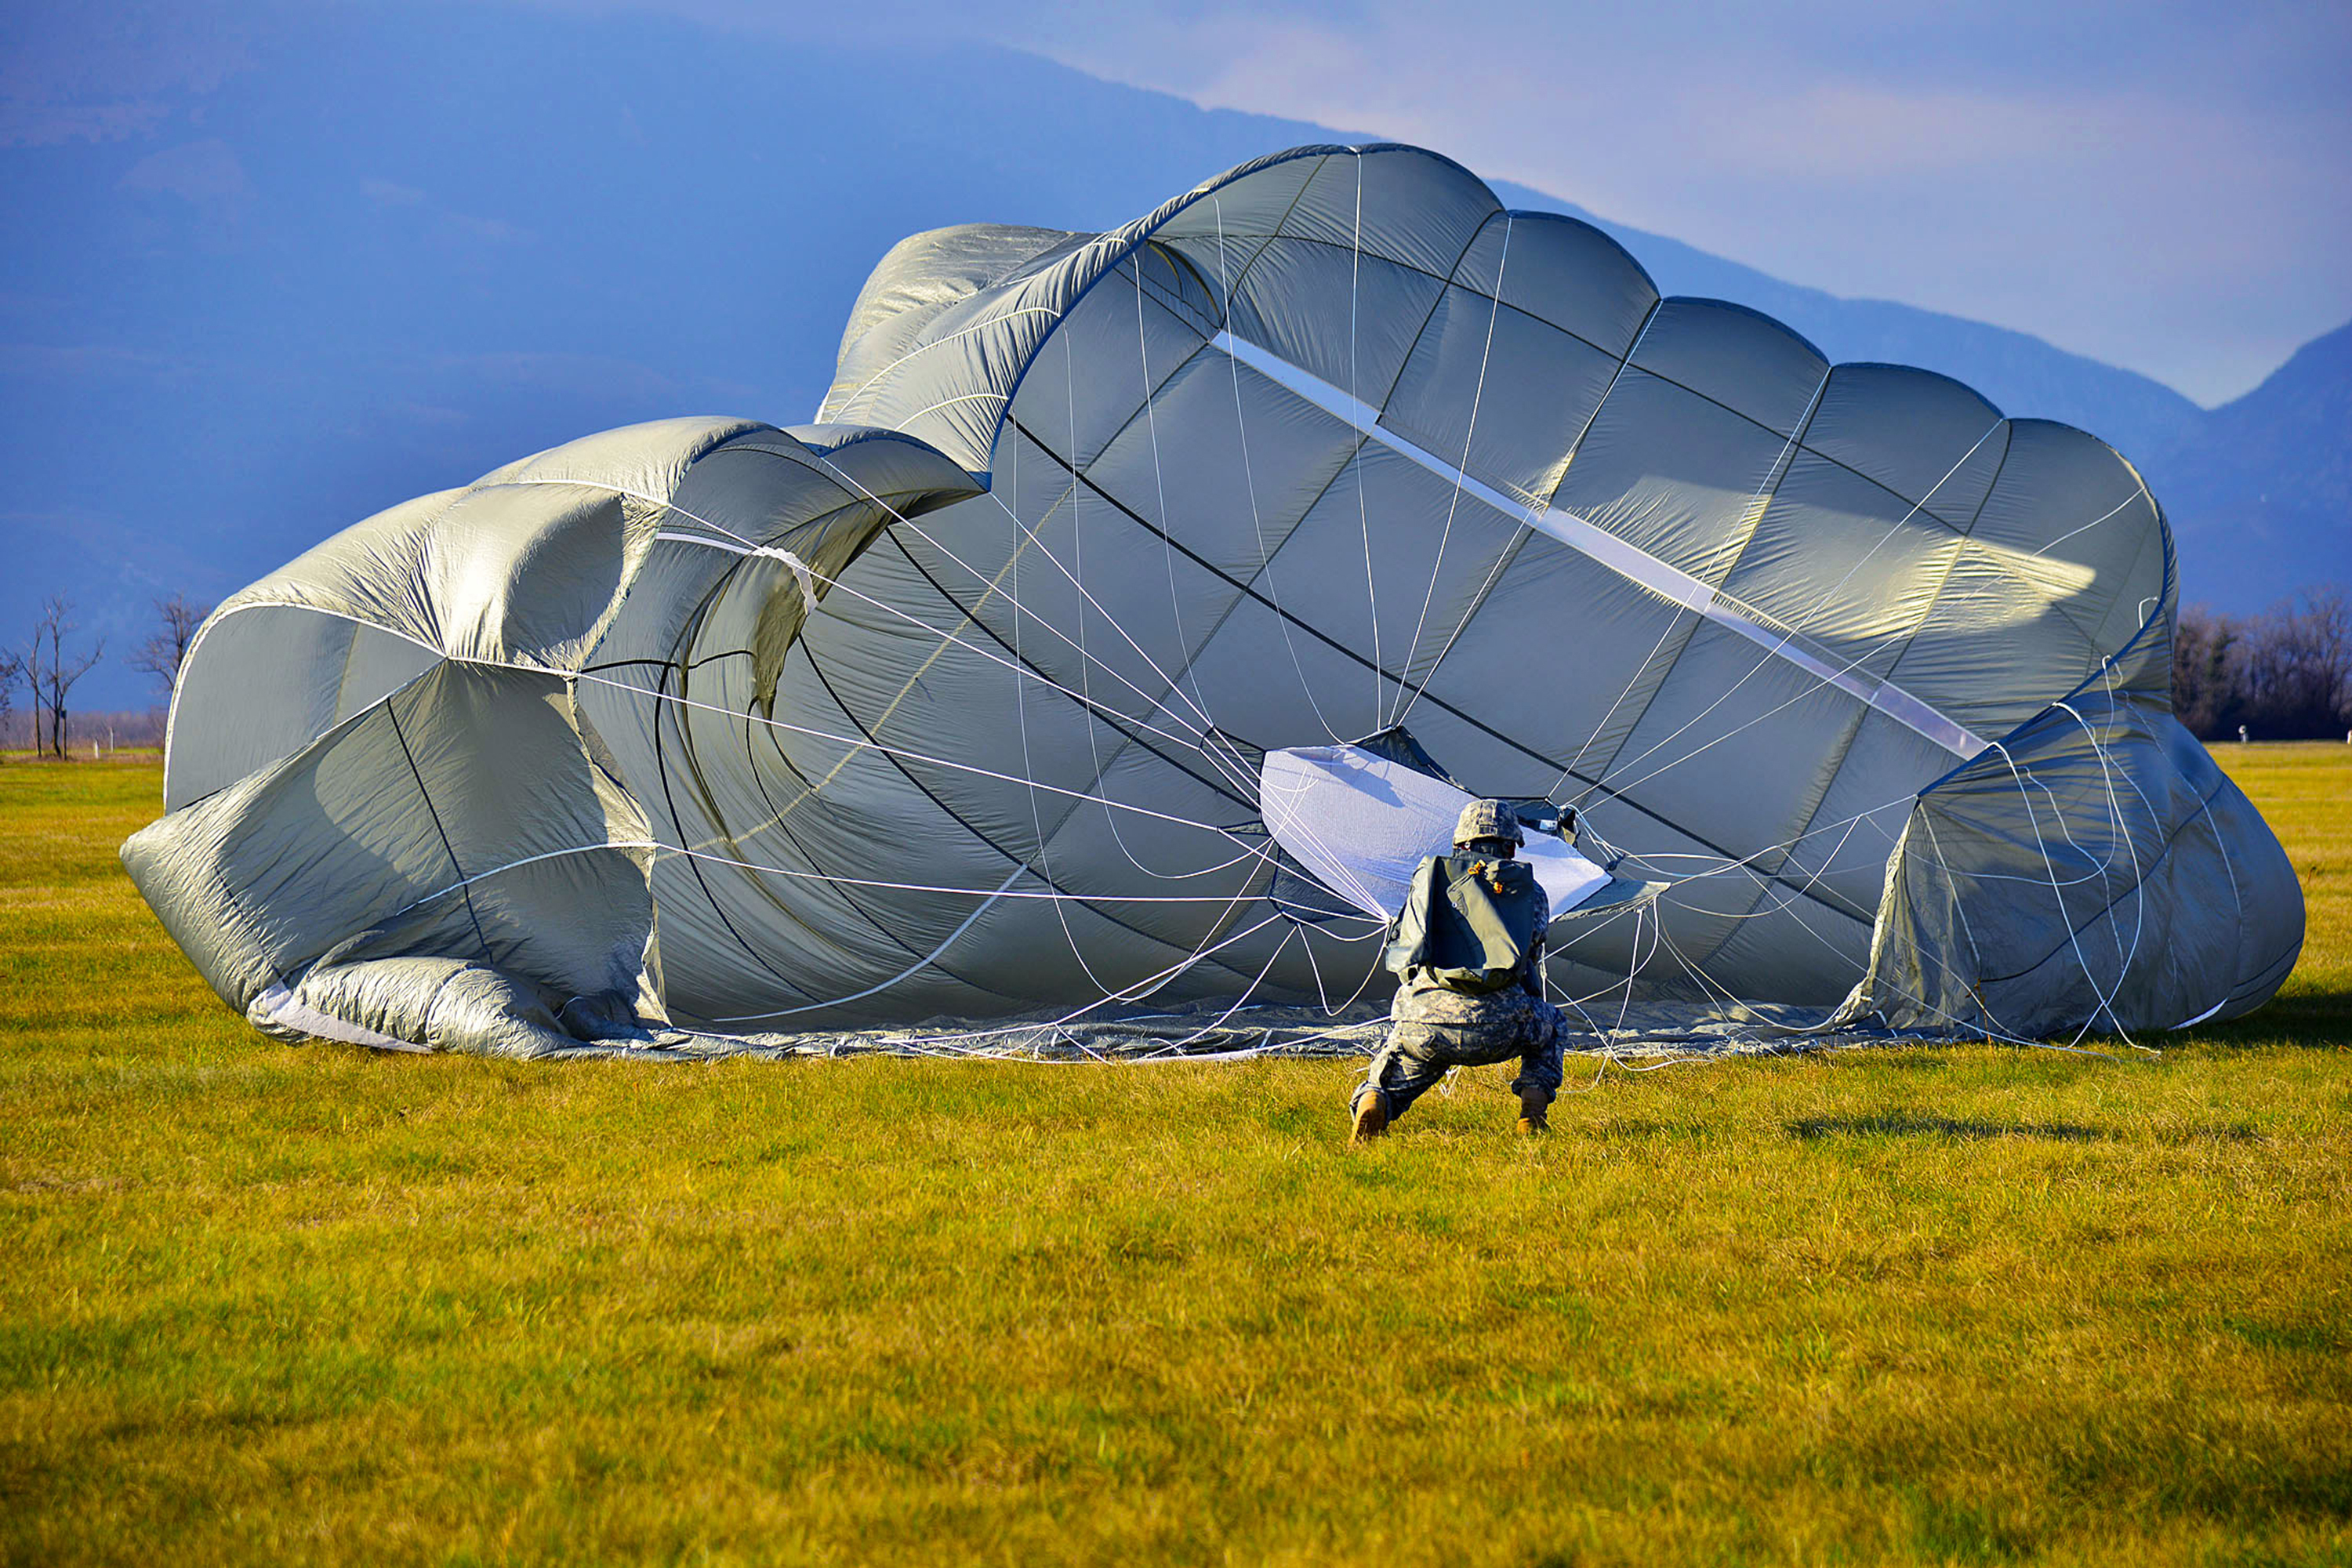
(1487, 819)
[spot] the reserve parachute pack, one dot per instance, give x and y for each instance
(1471, 921)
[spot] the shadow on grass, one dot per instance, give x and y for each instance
(2320, 1019)
(1900, 1124)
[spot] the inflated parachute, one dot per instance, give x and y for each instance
(1137, 608)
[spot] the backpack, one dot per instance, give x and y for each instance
(1471, 922)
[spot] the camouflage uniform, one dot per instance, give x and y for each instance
(1434, 1031)
(1435, 1027)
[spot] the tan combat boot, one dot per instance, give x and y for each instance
(1371, 1118)
(1532, 1113)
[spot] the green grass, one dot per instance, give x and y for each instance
(1963, 1305)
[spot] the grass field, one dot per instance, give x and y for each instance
(1924, 1305)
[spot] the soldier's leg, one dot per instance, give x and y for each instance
(1368, 1106)
(1406, 1068)
(1539, 1069)
(1414, 1075)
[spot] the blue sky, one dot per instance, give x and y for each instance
(2165, 186)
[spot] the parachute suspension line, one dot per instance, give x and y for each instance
(1989, 1029)
(1084, 699)
(930, 344)
(1078, 556)
(659, 846)
(956, 1043)
(1199, 738)
(2106, 1001)
(850, 484)
(1976, 954)
(1870, 650)
(2220, 842)
(858, 744)
(1454, 501)
(2121, 828)
(1076, 579)
(2053, 545)
(921, 963)
(1674, 613)
(1213, 1024)
(1249, 482)
(1028, 769)
(1528, 519)
(2124, 958)
(1197, 702)
(1356, 461)
(1795, 892)
(1821, 679)
(1160, 485)
(1757, 506)
(1636, 963)
(743, 546)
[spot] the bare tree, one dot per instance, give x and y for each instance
(28, 666)
(54, 668)
(10, 667)
(2281, 676)
(162, 655)
(2206, 670)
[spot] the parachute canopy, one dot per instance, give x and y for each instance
(1047, 669)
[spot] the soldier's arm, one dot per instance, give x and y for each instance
(1534, 980)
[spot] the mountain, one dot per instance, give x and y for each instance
(394, 249)
(2266, 480)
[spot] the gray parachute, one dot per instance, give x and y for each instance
(1137, 603)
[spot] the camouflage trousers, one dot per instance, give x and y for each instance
(1431, 1033)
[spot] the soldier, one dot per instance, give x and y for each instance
(1467, 949)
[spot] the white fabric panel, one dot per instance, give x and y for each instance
(1363, 825)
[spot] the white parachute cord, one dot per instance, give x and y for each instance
(1078, 556)
(1870, 650)
(959, 1042)
(2124, 958)
(1615, 375)
(1249, 482)
(1218, 1022)
(2034, 819)
(804, 570)
(1674, 624)
(860, 743)
(1757, 506)
(1036, 817)
(850, 483)
(660, 846)
(2045, 549)
(1454, 502)
(1363, 513)
(930, 344)
(1159, 487)
(1772, 882)
(1201, 737)
(1139, 990)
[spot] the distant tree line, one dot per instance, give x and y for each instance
(49, 665)
(2285, 675)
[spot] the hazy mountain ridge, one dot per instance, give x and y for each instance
(402, 248)
(2267, 478)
